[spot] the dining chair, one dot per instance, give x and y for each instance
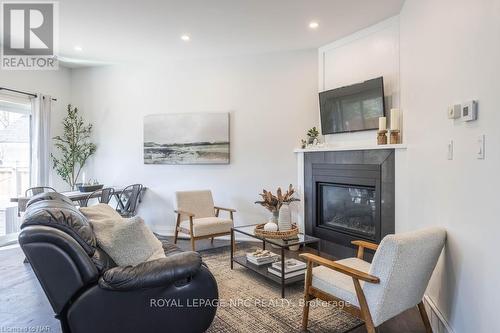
(198, 217)
(104, 196)
(128, 200)
(22, 202)
(394, 282)
(37, 190)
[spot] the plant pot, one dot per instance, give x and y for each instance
(89, 188)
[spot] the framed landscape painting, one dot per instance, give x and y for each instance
(186, 138)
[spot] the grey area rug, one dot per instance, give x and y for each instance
(250, 303)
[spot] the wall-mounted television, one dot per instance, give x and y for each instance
(352, 108)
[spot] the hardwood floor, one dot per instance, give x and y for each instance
(23, 304)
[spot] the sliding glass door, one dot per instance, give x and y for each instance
(15, 119)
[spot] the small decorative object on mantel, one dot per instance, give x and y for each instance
(312, 135)
(395, 129)
(382, 131)
(394, 137)
(382, 137)
(273, 202)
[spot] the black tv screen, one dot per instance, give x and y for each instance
(352, 108)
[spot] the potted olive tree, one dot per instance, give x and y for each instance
(74, 147)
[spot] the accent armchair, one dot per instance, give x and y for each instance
(198, 217)
(394, 282)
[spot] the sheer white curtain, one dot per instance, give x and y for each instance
(41, 108)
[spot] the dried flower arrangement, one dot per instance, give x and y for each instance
(274, 202)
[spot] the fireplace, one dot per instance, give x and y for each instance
(351, 209)
(349, 195)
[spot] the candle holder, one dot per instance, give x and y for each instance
(382, 137)
(394, 137)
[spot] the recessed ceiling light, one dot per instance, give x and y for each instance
(186, 38)
(78, 48)
(313, 25)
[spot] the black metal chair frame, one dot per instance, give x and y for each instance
(128, 208)
(38, 189)
(103, 197)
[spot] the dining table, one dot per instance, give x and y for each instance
(78, 196)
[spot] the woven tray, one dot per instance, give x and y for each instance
(287, 234)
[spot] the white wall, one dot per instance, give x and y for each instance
(450, 53)
(364, 55)
(272, 100)
(54, 83)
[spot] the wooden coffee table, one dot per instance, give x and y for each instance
(282, 244)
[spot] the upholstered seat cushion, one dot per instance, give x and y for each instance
(338, 284)
(207, 226)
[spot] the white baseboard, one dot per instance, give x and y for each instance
(438, 322)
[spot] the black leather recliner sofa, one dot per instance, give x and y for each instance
(89, 293)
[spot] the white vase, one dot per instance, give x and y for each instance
(284, 219)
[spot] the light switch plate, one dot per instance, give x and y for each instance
(450, 150)
(454, 111)
(480, 147)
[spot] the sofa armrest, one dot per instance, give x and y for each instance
(152, 274)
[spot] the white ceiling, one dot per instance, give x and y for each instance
(127, 30)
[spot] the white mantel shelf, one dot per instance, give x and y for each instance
(347, 148)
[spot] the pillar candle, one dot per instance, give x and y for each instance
(394, 119)
(382, 123)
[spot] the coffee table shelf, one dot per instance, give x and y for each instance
(282, 245)
(262, 270)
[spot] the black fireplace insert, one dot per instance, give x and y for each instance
(350, 209)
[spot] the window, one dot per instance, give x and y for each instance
(15, 148)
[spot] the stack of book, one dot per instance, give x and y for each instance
(293, 267)
(262, 257)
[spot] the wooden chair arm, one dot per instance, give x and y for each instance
(181, 212)
(226, 209)
(352, 272)
(362, 245)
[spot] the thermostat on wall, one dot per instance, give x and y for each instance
(469, 111)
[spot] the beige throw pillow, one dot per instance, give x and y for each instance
(99, 212)
(127, 241)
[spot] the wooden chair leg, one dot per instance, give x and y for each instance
(307, 297)
(363, 305)
(425, 318)
(177, 223)
(191, 232)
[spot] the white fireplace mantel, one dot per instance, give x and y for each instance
(348, 148)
